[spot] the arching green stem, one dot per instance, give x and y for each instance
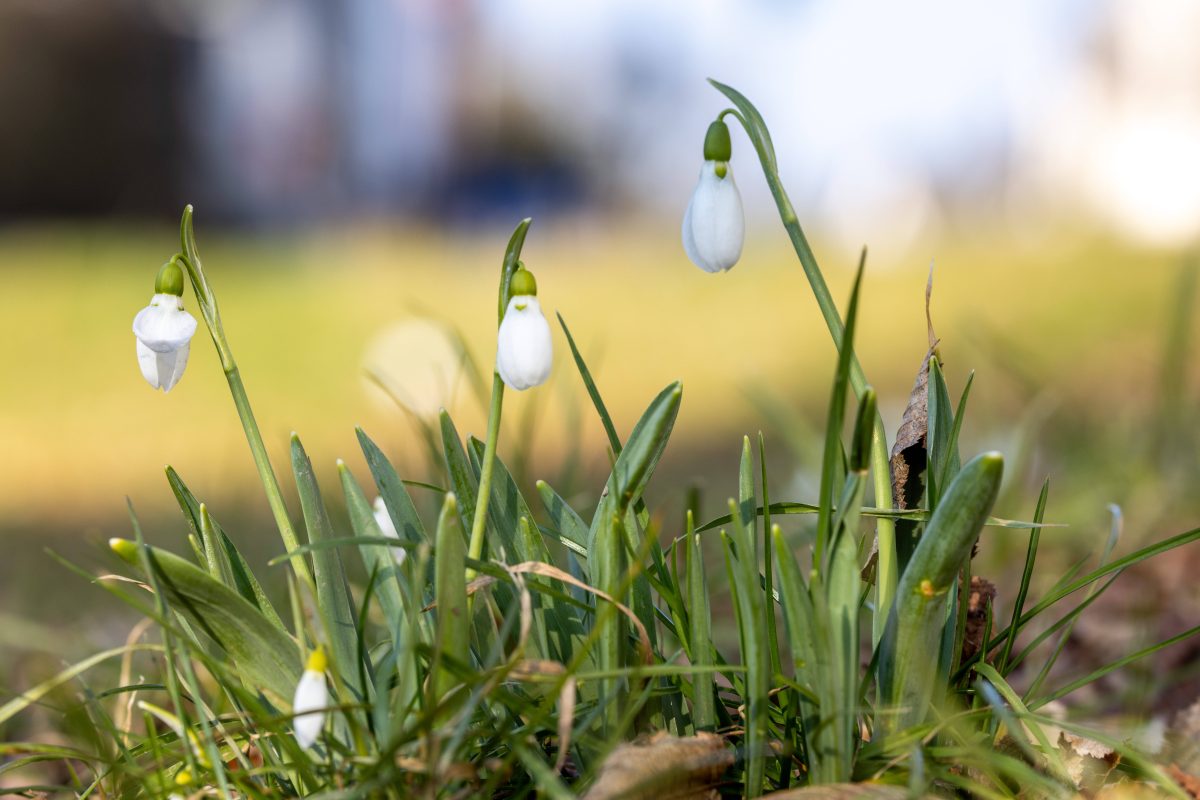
(512, 256)
(756, 129)
(190, 261)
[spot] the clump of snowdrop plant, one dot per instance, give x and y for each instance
(525, 636)
(714, 225)
(164, 330)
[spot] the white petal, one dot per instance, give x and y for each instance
(384, 520)
(164, 325)
(714, 225)
(162, 370)
(171, 366)
(524, 351)
(148, 361)
(311, 695)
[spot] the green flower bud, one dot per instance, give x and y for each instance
(126, 549)
(716, 142)
(170, 279)
(522, 282)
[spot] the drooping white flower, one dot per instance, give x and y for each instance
(714, 224)
(164, 333)
(384, 520)
(524, 352)
(312, 697)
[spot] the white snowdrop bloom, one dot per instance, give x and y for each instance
(312, 696)
(384, 520)
(714, 224)
(164, 333)
(523, 349)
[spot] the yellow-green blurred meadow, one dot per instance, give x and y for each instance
(1069, 332)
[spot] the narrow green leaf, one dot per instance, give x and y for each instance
(329, 575)
(573, 531)
(610, 430)
(453, 615)
(1026, 576)
(768, 553)
(214, 555)
(607, 566)
(843, 596)
(704, 711)
(388, 584)
(1049, 663)
(391, 488)
(750, 610)
(637, 461)
(786, 508)
(505, 509)
(832, 467)
(746, 505)
(243, 578)
(917, 620)
(943, 462)
(266, 657)
(463, 480)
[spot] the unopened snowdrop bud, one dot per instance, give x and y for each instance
(523, 348)
(714, 225)
(164, 330)
(384, 520)
(312, 696)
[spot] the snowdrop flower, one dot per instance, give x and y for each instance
(164, 330)
(384, 520)
(523, 348)
(312, 696)
(714, 225)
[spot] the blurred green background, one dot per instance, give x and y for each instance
(357, 170)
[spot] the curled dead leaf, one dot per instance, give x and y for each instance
(664, 767)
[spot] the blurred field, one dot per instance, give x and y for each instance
(1067, 341)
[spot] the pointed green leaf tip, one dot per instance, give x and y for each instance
(864, 430)
(125, 549)
(170, 279)
(717, 146)
(522, 282)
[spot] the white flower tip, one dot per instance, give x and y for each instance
(524, 347)
(714, 224)
(312, 696)
(164, 331)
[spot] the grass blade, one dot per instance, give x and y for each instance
(396, 499)
(265, 656)
(243, 578)
(1026, 576)
(453, 616)
(329, 576)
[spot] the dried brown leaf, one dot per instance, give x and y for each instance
(983, 592)
(1189, 782)
(664, 768)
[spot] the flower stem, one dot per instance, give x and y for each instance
(885, 586)
(190, 260)
(508, 266)
(886, 575)
(479, 523)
